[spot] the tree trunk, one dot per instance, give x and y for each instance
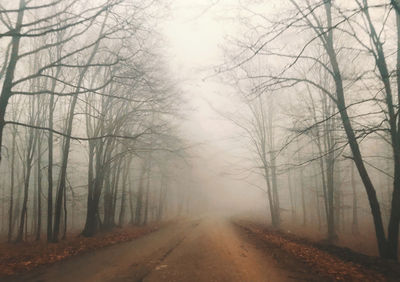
(65, 155)
(95, 185)
(9, 75)
(12, 179)
(39, 191)
(293, 210)
(132, 219)
(121, 218)
(354, 146)
(147, 200)
(25, 202)
(31, 146)
(139, 200)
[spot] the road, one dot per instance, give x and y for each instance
(193, 250)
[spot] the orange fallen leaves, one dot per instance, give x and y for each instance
(15, 258)
(321, 262)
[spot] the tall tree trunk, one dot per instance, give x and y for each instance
(50, 157)
(12, 179)
(109, 182)
(147, 200)
(121, 218)
(34, 206)
(292, 207)
(303, 199)
(31, 146)
(9, 75)
(272, 159)
(65, 215)
(50, 148)
(132, 219)
(63, 169)
(161, 200)
(394, 219)
(139, 199)
(25, 200)
(354, 146)
(39, 190)
(115, 192)
(65, 154)
(270, 197)
(95, 187)
(330, 190)
(17, 206)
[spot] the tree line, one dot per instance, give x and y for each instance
(87, 118)
(319, 86)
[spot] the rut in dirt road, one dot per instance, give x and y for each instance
(196, 250)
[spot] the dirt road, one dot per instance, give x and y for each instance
(195, 250)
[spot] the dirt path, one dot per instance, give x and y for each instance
(198, 250)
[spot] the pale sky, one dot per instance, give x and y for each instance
(194, 35)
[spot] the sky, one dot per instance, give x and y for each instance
(194, 34)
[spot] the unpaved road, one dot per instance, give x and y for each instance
(196, 250)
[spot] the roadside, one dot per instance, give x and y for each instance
(25, 256)
(128, 261)
(325, 260)
(202, 249)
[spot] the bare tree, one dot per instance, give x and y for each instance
(324, 22)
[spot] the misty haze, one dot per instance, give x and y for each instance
(199, 140)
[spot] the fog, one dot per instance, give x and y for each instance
(125, 113)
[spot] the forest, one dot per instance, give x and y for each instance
(280, 118)
(340, 137)
(85, 100)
